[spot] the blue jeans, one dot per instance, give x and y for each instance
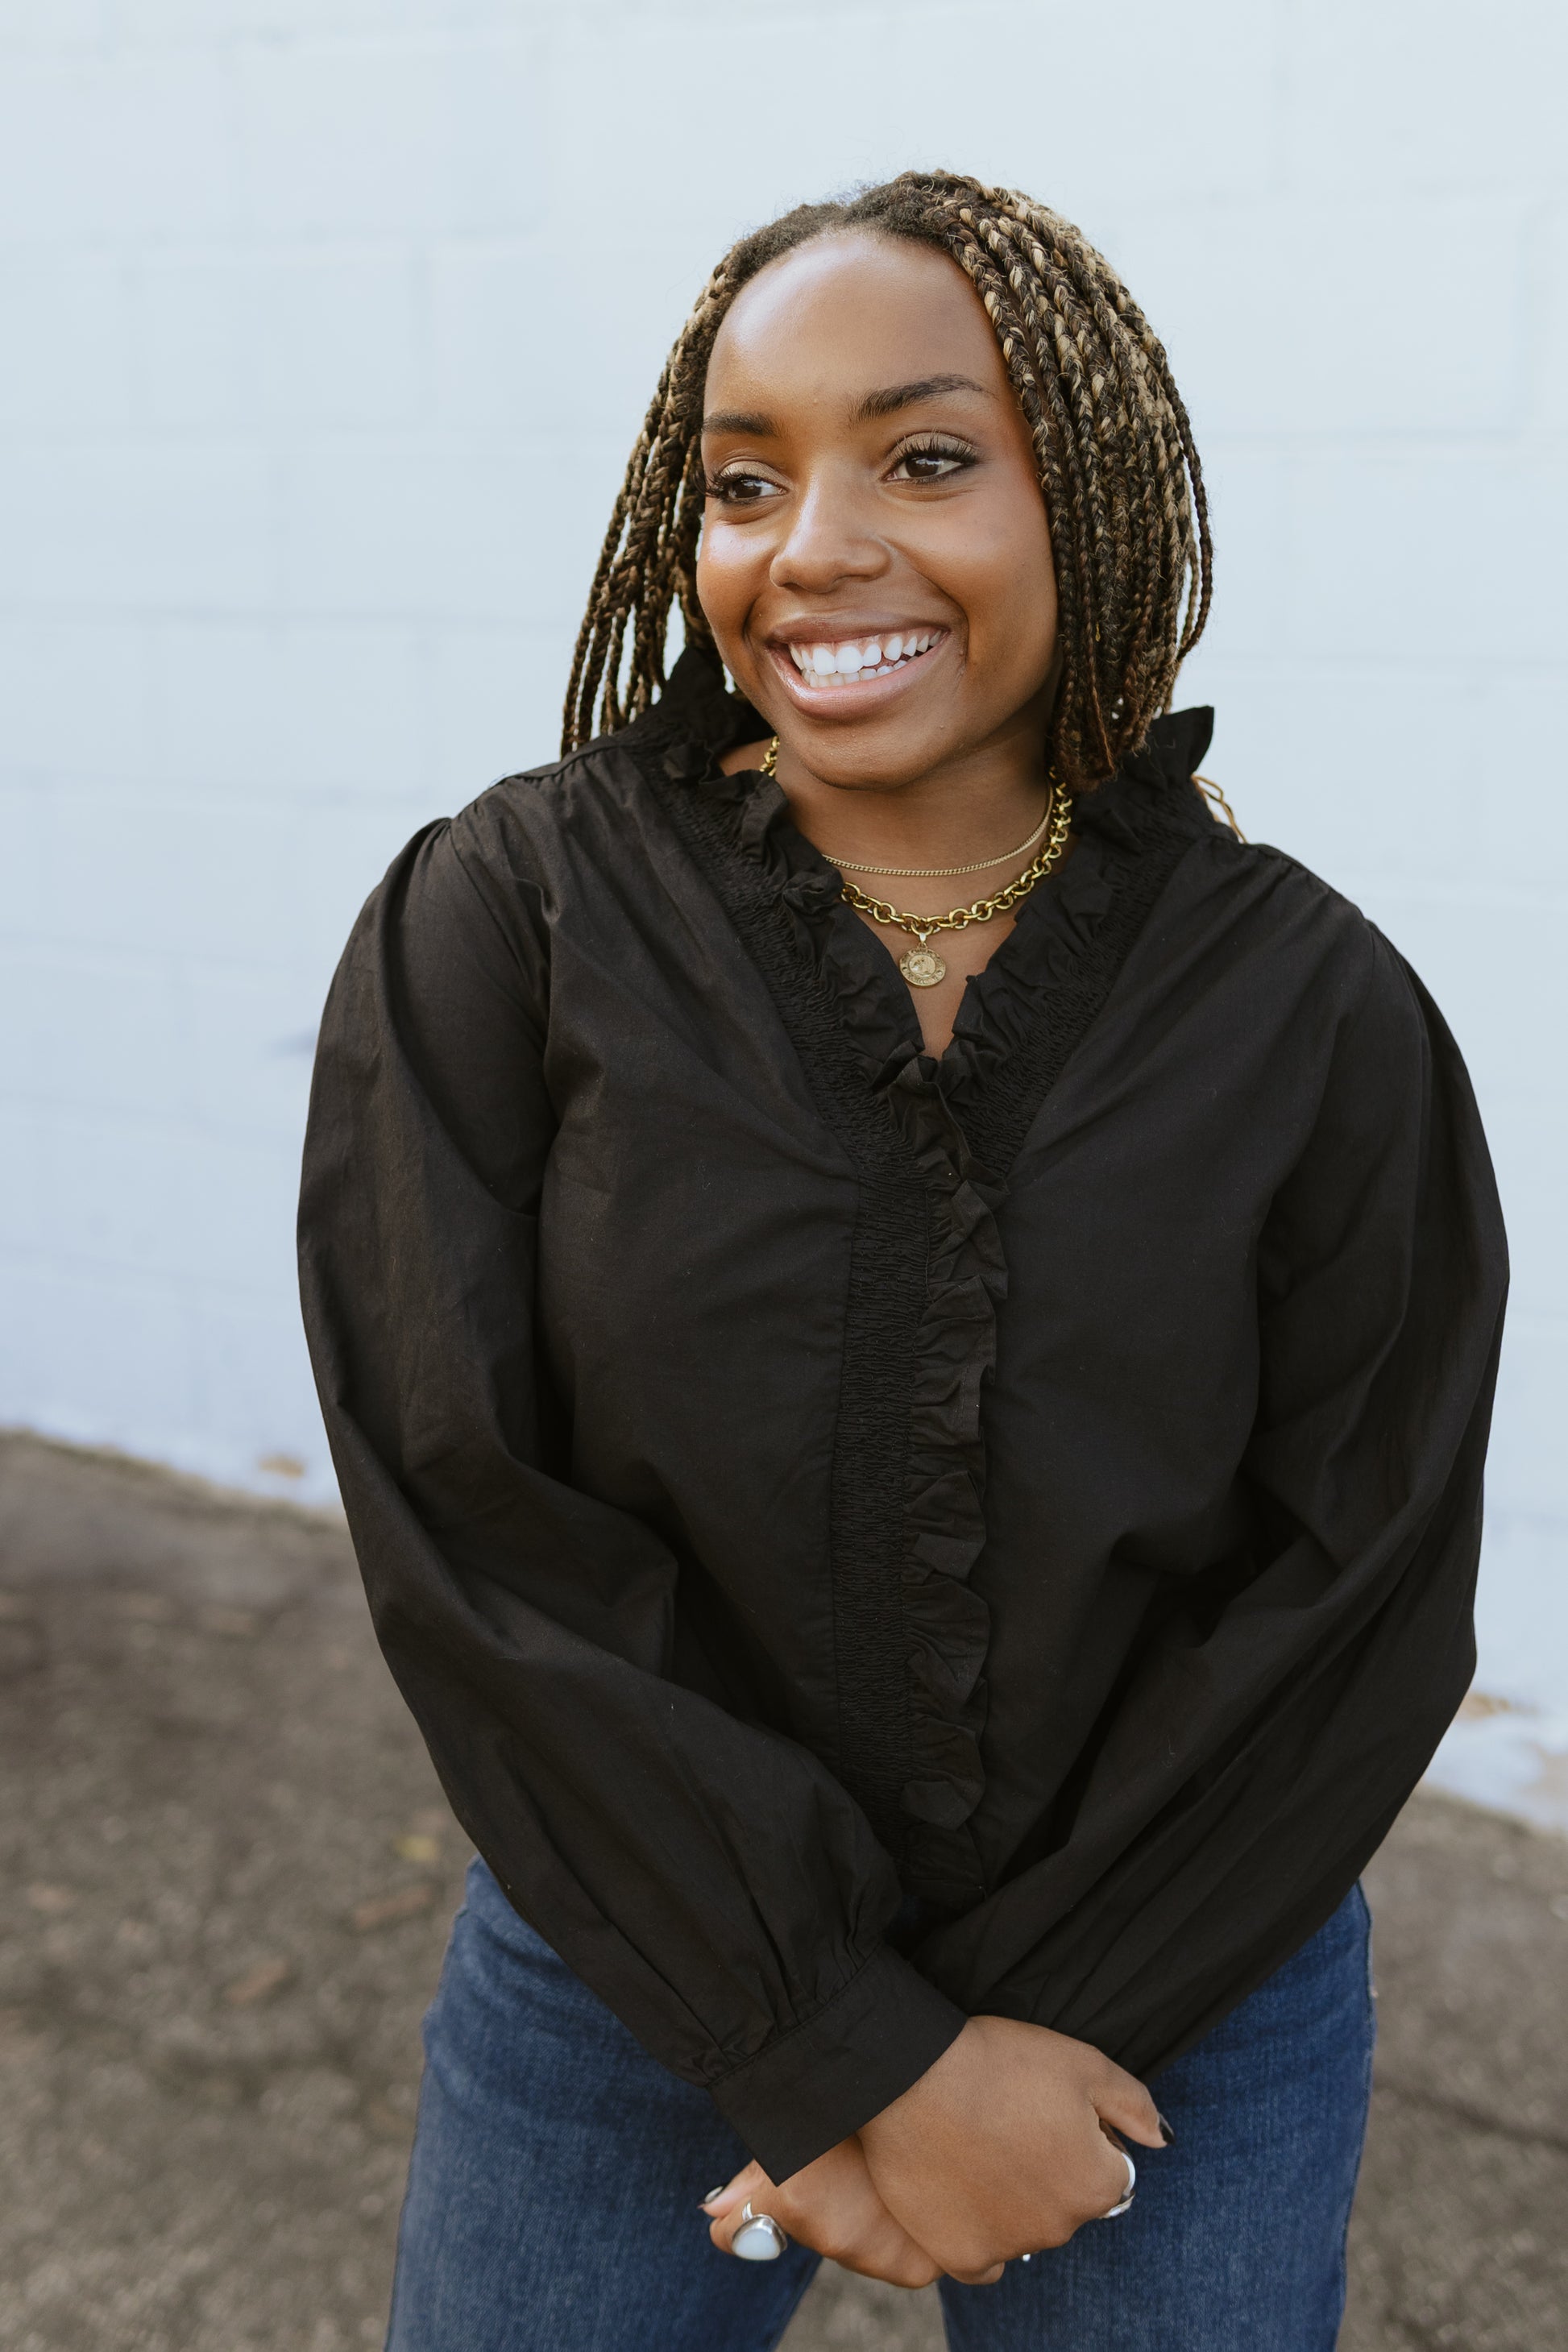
(552, 2195)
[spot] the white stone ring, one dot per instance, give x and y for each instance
(759, 2238)
(1112, 2212)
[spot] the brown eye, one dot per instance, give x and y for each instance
(740, 489)
(932, 461)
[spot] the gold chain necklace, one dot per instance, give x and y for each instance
(931, 873)
(920, 965)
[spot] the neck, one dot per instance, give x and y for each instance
(981, 805)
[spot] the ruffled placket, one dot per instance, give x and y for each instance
(947, 1624)
(936, 1644)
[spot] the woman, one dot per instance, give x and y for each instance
(907, 1325)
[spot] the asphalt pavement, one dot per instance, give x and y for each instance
(226, 1875)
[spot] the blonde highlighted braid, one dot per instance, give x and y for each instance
(1114, 450)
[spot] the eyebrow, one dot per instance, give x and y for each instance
(895, 396)
(885, 402)
(739, 420)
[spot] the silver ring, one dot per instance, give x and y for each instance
(759, 2238)
(1111, 2211)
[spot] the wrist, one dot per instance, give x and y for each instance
(915, 2113)
(814, 2086)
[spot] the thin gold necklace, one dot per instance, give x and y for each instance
(930, 872)
(920, 965)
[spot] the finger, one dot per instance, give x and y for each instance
(1100, 2183)
(736, 2190)
(902, 2265)
(1121, 2100)
(723, 2209)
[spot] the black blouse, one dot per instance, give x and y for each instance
(793, 1474)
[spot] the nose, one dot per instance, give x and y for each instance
(828, 541)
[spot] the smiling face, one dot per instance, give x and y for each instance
(875, 560)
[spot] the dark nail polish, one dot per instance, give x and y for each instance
(710, 2196)
(1166, 2133)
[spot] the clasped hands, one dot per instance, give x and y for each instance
(1001, 2148)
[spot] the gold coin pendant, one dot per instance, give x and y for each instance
(922, 967)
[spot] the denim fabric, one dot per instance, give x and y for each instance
(557, 2169)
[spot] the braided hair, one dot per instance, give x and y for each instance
(1113, 447)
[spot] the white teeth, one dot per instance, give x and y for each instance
(857, 657)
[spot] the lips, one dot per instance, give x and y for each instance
(831, 663)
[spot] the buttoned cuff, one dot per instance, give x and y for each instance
(821, 2081)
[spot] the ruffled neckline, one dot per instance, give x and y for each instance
(1056, 925)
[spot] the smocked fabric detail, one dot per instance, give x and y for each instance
(932, 1144)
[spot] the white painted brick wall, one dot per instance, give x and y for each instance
(326, 325)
